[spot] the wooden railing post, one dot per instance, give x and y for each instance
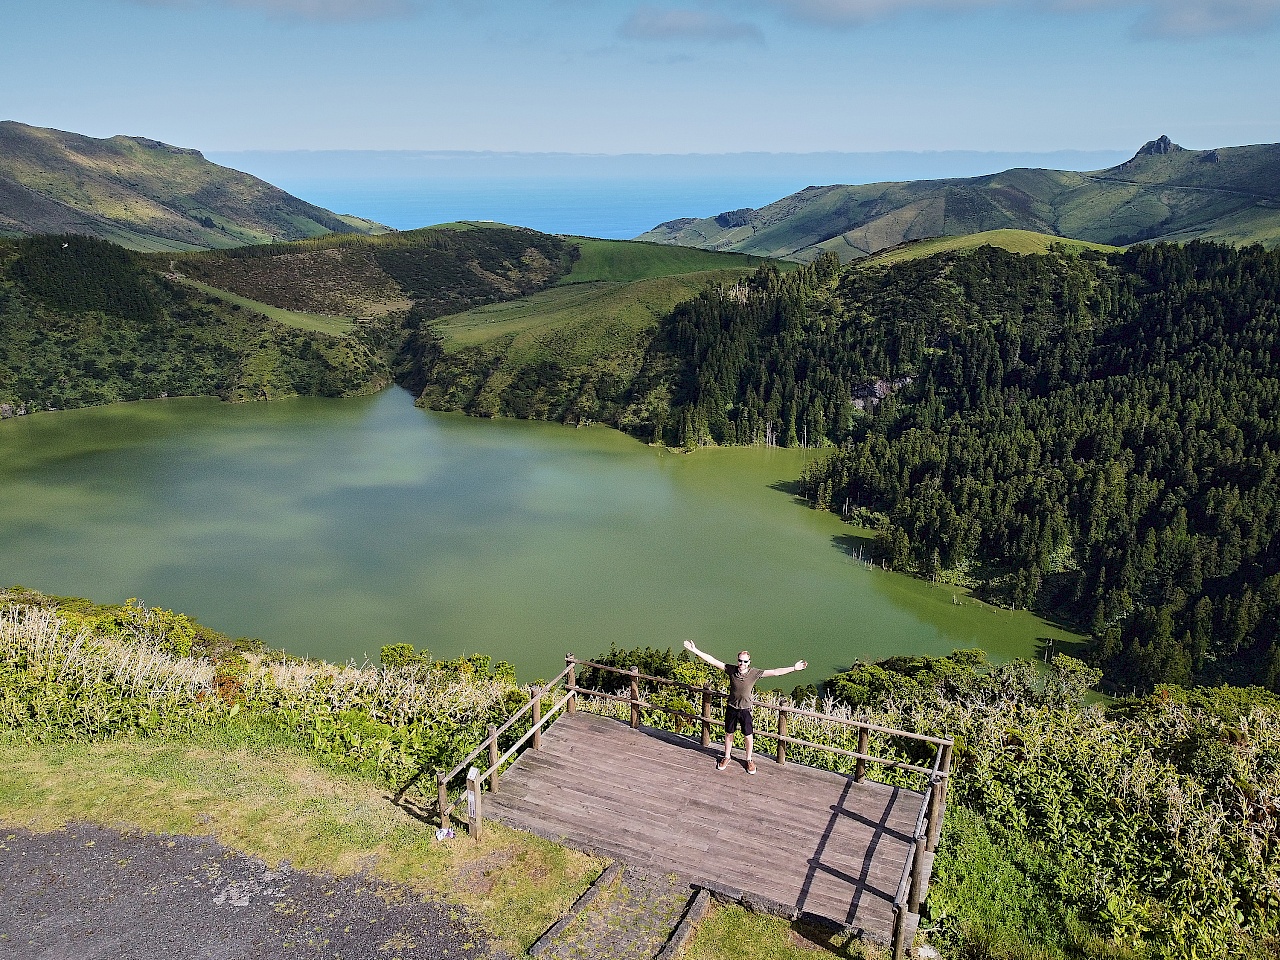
(899, 931)
(635, 698)
(864, 744)
(443, 797)
(493, 757)
(938, 801)
(537, 718)
(475, 817)
(917, 876)
(782, 732)
(706, 715)
(570, 683)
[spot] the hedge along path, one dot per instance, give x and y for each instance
(260, 799)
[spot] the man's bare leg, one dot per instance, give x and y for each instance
(728, 747)
(749, 738)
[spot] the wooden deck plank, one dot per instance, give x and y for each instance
(811, 840)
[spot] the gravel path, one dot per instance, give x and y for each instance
(88, 893)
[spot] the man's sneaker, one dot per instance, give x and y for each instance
(751, 766)
(722, 763)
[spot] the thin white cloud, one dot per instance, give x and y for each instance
(1200, 18)
(316, 10)
(1157, 18)
(853, 13)
(701, 26)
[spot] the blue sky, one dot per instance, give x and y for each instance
(608, 76)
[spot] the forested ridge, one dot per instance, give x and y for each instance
(1093, 436)
(83, 322)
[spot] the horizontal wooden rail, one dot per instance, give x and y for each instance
(765, 734)
(476, 778)
(777, 708)
(470, 757)
(851, 754)
(515, 747)
(862, 755)
(874, 728)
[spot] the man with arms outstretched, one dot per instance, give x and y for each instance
(737, 710)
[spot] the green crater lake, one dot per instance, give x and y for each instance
(332, 527)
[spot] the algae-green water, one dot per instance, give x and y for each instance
(332, 527)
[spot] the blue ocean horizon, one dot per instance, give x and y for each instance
(611, 209)
(613, 197)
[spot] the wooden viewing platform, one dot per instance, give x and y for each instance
(802, 841)
(792, 840)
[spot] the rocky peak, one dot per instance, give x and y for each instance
(1153, 148)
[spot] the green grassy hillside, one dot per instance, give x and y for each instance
(433, 271)
(569, 353)
(573, 351)
(486, 318)
(145, 195)
(1163, 193)
(622, 260)
(1015, 241)
(316, 322)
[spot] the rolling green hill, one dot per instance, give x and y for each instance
(1015, 241)
(145, 195)
(1164, 192)
(622, 260)
(573, 351)
(432, 271)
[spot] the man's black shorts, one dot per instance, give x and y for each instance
(734, 718)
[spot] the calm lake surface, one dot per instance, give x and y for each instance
(332, 527)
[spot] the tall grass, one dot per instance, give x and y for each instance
(66, 675)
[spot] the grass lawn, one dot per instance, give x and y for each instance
(1015, 241)
(730, 932)
(592, 311)
(315, 322)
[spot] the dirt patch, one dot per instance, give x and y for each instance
(480, 876)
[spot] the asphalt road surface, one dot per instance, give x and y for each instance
(88, 893)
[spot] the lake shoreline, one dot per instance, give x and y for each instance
(331, 527)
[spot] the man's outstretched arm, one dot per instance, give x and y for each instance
(689, 645)
(780, 671)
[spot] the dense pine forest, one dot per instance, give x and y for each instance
(1095, 436)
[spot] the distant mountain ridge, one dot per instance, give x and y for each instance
(146, 195)
(1164, 192)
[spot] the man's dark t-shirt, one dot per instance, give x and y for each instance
(740, 686)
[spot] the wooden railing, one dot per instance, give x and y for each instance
(476, 778)
(915, 872)
(924, 840)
